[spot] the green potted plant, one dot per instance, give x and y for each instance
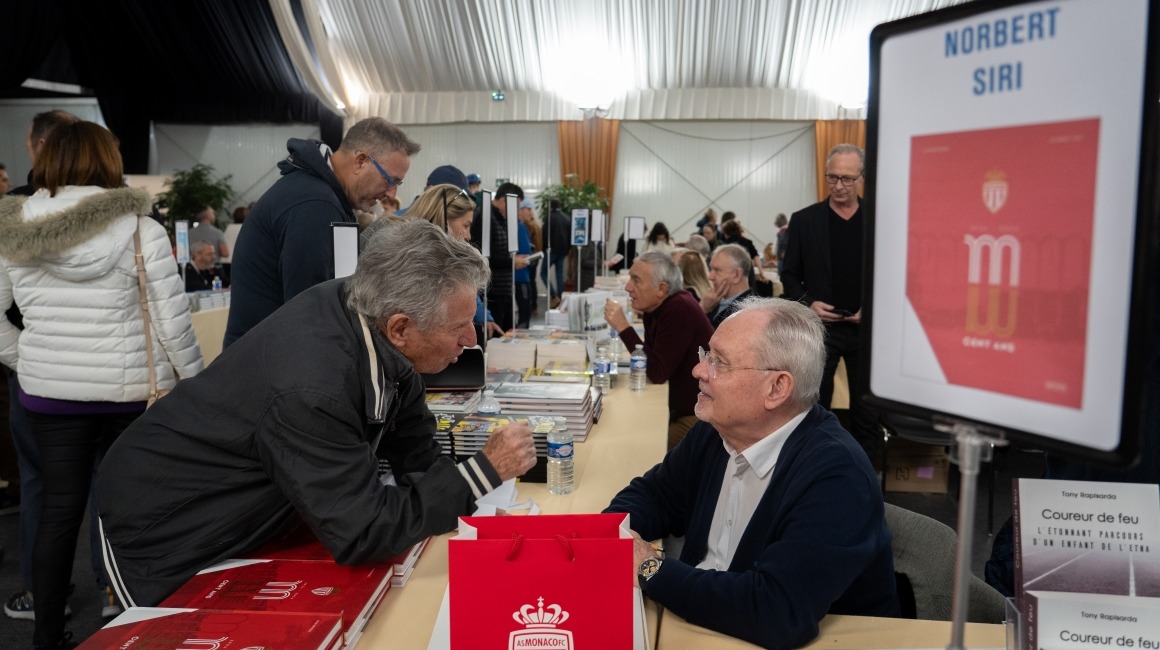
(573, 194)
(190, 190)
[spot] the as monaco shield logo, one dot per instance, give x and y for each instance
(995, 191)
(540, 628)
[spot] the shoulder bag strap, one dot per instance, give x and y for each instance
(139, 258)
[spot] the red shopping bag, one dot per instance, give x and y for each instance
(548, 581)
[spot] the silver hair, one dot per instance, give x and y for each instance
(700, 244)
(738, 255)
(664, 269)
(845, 148)
(793, 340)
(377, 137)
(198, 245)
(411, 267)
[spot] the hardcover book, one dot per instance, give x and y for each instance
(156, 628)
(1086, 537)
(352, 592)
(1068, 621)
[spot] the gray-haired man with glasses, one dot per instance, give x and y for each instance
(780, 509)
(823, 270)
(287, 245)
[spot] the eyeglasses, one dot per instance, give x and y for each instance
(717, 366)
(391, 182)
(846, 180)
(447, 203)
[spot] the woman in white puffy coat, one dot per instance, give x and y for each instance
(67, 260)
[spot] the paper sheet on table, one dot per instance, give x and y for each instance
(502, 500)
(441, 634)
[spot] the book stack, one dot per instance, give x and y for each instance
(561, 373)
(459, 401)
(511, 353)
(561, 352)
(404, 563)
(263, 585)
(1087, 562)
(467, 435)
(147, 628)
(586, 310)
(573, 401)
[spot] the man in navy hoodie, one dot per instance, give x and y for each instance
(780, 508)
(286, 246)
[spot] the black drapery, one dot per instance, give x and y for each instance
(198, 62)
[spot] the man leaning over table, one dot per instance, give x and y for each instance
(779, 507)
(292, 420)
(674, 329)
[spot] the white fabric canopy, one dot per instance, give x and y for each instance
(435, 61)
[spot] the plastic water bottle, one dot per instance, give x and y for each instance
(560, 467)
(619, 353)
(217, 284)
(602, 369)
(638, 367)
(489, 405)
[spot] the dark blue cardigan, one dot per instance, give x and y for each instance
(816, 544)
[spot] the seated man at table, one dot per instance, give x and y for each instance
(674, 329)
(294, 417)
(780, 509)
(202, 268)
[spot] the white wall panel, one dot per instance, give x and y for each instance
(248, 152)
(674, 171)
(526, 153)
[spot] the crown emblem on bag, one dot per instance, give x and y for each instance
(540, 628)
(553, 616)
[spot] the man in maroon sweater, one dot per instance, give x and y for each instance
(674, 327)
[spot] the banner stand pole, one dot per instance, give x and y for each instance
(974, 447)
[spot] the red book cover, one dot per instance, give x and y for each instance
(353, 592)
(153, 628)
(404, 563)
(999, 255)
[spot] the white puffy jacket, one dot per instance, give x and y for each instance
(67, 261)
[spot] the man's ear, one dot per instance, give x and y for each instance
(395, 330)
(780, 390)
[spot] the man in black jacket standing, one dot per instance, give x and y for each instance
(823, 270)
(286, 246)
(500, 291)
(291, 423)
(558, 229)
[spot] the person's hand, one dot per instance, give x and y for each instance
(709, 302)
(856, 318)
(510, 450)
(823, 310)
(614, 315)
(641, 551)
(493, 329)
(521, 261)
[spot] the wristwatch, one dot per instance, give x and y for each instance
(649, 568)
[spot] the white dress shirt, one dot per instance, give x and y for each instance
(747, 475)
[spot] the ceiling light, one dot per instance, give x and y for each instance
(497, 96)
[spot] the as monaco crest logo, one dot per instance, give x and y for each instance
(540, 628)
(995, 191)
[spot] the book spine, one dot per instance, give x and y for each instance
(1030, 621)
(1017, 538)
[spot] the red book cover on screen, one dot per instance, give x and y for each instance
(999, 255)
(155, 628)
(352, 592)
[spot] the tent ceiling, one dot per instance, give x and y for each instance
(440, 60)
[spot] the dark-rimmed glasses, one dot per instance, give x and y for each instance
(718, 366)
(833, 179)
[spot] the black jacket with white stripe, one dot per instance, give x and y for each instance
(292, 418)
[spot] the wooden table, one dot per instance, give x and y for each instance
(629, 439)
(209, 326)
(840, 633)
